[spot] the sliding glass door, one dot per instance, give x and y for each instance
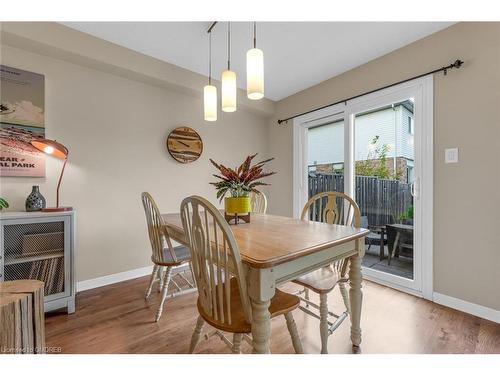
(384, 178)
(377, 149)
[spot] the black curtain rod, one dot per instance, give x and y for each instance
(455, 65)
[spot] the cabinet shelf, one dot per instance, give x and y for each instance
(40, 246)
(57, 253)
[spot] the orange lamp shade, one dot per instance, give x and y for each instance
(51, 148)
(59, 151)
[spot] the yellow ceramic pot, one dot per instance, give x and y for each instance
(238, 205)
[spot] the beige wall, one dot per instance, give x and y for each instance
(466, 115)
(115, 129)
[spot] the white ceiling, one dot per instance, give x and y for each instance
(297, 55)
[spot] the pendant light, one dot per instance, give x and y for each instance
(228, 79)
(210, 91)
(255, 70)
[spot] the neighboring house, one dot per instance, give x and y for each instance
(393, 126)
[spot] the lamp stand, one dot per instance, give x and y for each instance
(57, 208)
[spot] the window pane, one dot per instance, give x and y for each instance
(326, 158)
(384, 162)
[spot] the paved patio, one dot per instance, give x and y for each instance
(401, 266)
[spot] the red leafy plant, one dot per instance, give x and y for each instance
(239, 182)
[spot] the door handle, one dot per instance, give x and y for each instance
(414, 191)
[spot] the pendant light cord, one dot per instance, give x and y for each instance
(229, 46)
(255, 34)
(210, 58)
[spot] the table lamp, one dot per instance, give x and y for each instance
(59, 151)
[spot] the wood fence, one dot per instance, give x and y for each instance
(382, 201)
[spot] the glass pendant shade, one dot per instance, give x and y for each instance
(210, 102)
(228, 91)
(255, 74)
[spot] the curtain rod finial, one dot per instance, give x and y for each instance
(458, 63)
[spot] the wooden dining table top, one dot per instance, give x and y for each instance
(269, 240)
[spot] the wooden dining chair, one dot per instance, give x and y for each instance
(331, 208)
(223, 300)
(258, 202)
(164, 255)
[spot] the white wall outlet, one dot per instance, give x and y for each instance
(451, 155)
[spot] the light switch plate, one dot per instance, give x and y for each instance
(451, 155)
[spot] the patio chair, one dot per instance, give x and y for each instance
(372, 238)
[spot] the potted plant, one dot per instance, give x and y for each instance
(239, 182)
(3, 204)
(407, 216)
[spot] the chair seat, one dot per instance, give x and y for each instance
(375, 236)
(322, 280)
(281, 303)
(181, 252)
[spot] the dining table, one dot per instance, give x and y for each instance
(276, 249)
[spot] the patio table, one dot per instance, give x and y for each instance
(396, 233)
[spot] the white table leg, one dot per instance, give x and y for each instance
(261, 288)
(261, 327)
(356, 298)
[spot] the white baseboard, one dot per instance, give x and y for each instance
(120, 276)
(113, 278)
(467, 307)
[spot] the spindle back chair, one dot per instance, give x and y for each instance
(215, 259)
(158, 234)
(164, 255)
(258, 201)
(223, 300)
(331, 208)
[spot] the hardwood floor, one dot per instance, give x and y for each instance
(117, 319)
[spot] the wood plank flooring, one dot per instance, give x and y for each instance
(117, 319)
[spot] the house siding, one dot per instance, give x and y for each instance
(407, 148)
(326, 142)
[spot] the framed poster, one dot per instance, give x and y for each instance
(22, 114)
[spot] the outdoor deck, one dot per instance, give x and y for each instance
(401, 266)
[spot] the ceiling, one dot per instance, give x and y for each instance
(297, 55)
